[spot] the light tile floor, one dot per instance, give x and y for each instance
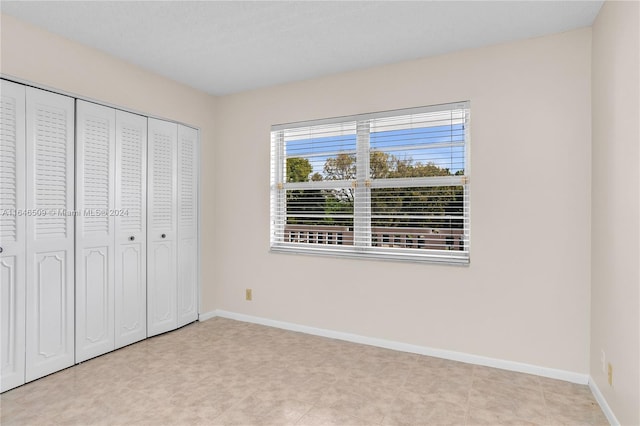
(224, 372)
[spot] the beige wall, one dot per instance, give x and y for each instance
(615, 295)
(525, 296)
(43, 58)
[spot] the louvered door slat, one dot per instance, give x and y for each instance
(52, 171)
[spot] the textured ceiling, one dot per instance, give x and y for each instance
(228, 47)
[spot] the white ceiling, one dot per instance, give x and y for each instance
(227, 47)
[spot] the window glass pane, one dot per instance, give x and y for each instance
(418, 217)
(410, 198)
(318, 153)
(429, 144)
(319, 216)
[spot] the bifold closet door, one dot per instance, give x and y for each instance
(187, 225)
(131, 223)
(161, 227)
(110, 229)
(95, 230)
(49, 232)
(12, 235)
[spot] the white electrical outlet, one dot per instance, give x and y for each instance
(603, 361)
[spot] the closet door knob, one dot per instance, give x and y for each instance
(131, 238)
(164, 235)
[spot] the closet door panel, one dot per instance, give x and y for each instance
(12, 236)
(52, 347)
(187, 225)
(131, 224)
(162, 288)
(161, 227)
(131, 302)
(188, 281)
(12, 294)
(49, 232)
(95, 191)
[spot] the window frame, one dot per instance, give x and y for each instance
(363, 184)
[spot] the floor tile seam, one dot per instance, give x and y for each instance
(468, 408)
(26, 404)
(284, 400)
(393, 404)
(511, 400)
(502, 382)
(146, 396)
(549, 394)
(396, 395)
(404, 381)
(297, 421)
(368, 421)
(36, 416)
(546, 406)
(237, 403)
(12, 402)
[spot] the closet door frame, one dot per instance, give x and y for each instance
(13, 256)
(37, 361)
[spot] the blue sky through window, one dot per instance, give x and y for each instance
(440, 145)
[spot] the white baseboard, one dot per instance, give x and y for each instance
(608, 412)
(207, 315)
(552, 373)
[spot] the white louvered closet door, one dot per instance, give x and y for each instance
(95, 230)
(12, 235)
(131, 225)
(161, 227)
(187, 225)
(50, 233)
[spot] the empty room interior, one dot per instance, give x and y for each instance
(347, 213)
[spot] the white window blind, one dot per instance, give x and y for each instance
(392, 185)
